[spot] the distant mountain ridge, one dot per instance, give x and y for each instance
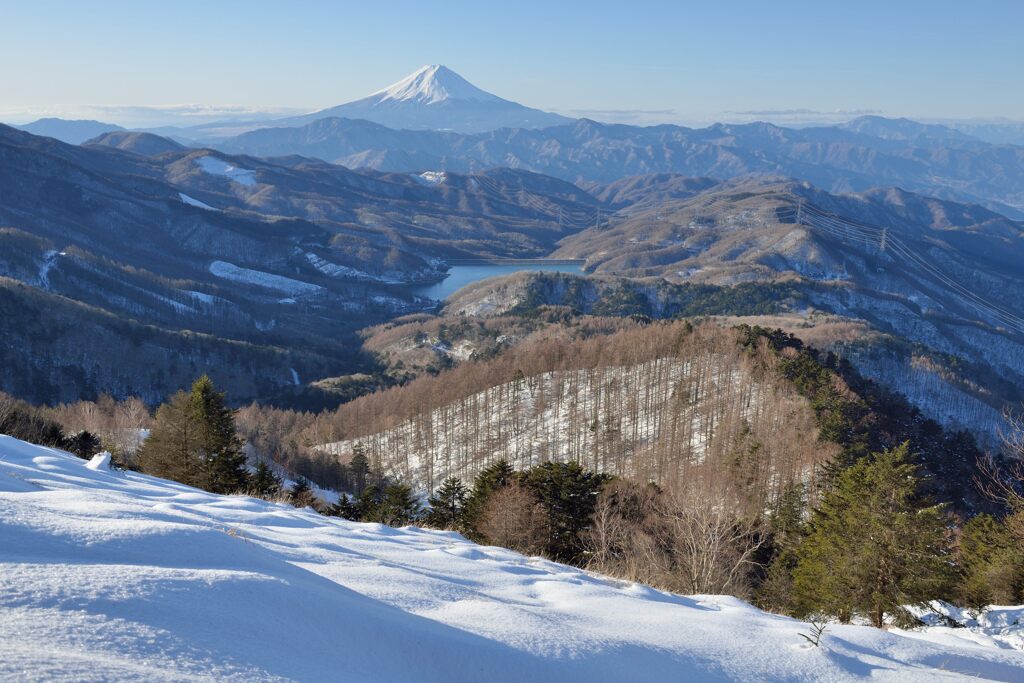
(71, 131)
(864, 154)
(906, 130)
(146, 144)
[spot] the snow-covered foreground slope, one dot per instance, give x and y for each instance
(113, 576)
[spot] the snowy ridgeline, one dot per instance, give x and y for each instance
(649, 421)
(106, 575)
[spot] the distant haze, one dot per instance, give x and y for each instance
(143, 64)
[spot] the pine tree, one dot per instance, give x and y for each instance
(568, 493)
(346, 508)
(264, 483)
(170, 451)
(991, 563)
(874, 545)
(301, 494)
(84, 444)
(786, 530)
(368, 502)
(495, 476)
(193, 440)
(359, 465)
(447, 505)
(397, 507)
(219, 447)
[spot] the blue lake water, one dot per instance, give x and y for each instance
(460, 276)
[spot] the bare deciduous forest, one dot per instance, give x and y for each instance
(659, 403)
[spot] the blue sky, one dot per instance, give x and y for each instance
(639, 61)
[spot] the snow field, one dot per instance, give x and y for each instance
(106, 575)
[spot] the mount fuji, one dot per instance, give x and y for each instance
(436, 98)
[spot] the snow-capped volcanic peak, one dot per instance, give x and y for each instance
(432, 84)
(436, 98)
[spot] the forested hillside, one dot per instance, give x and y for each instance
(656, 403)
(647, 405)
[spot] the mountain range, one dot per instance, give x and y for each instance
(435, 120)
(918, 293)
(259, 271)
(133, 236)
(240, 253)
(69, 130)
(866, 153)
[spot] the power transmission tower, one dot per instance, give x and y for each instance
(885, 238)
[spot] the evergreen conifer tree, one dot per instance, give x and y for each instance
(193, 440)
(84, 444)
(264, 483)
(447, 505)
(368, 502)
(398, 507)
(301, 494)
(992, 564)
(219, 448)
(346, 508)
(359, 465)
(171, 451)
(874, 545)
(495, 476)
(786, 530)
(568, 493)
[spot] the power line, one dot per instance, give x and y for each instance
(852, 231)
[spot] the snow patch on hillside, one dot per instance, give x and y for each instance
(100, 461)
(280, 283)
(215, 166)
(430, 178)
(192, 201)
(336, 270)
(117, 576)
(202, 296)
(49, 259)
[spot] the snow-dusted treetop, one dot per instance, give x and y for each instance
(432, 84)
